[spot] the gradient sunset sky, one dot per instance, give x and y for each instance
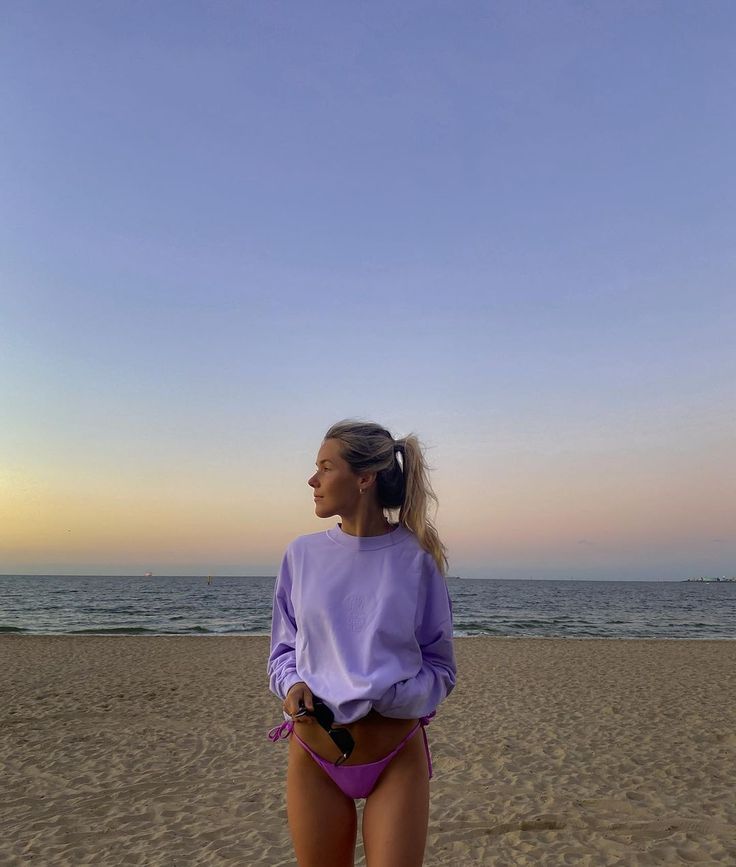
(509, 228)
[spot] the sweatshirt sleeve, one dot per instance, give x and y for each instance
(281, 668)
(421, 694)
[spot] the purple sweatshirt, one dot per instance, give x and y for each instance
(365, 622)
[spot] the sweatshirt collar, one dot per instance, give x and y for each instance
(368, 543)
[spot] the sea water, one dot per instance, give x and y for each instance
(181, 605)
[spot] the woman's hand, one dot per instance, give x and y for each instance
(299, 695)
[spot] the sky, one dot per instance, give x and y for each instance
(506, 227)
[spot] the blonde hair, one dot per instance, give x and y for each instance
(368, 447)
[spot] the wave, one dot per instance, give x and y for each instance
(140, 630)
(114, 630)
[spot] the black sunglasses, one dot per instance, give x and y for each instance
(341, 737)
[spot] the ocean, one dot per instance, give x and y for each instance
(178, 605)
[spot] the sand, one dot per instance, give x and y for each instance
(153, 751)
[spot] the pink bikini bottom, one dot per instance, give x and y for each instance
(356, 781)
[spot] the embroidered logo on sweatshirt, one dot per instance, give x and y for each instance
(359, 611)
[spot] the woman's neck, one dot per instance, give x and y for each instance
(365, 525)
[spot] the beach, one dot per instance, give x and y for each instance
(154, 751)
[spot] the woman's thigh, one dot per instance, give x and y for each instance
(322, 819)
(396, 813)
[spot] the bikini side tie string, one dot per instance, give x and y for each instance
(276, 733)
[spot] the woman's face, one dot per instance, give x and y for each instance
(335, 485)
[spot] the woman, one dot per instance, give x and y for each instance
(362, 620)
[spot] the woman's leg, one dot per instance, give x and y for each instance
(396, 813)
(322, 819)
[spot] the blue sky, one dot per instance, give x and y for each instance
(508, 227)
